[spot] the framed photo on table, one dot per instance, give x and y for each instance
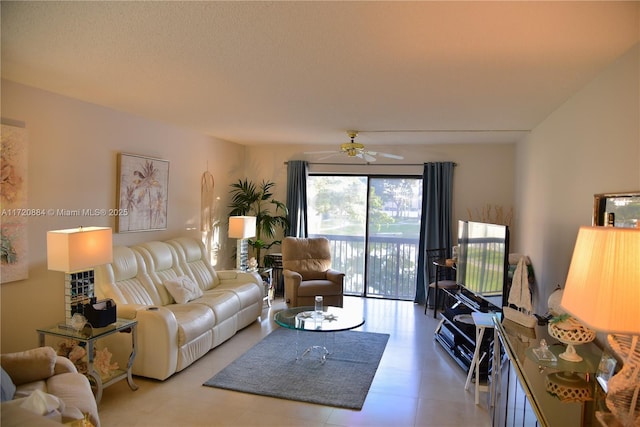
(142, 191)
(606, 369)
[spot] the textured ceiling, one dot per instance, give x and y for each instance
(305, 72)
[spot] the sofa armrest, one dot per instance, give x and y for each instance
(63, 366)
(129, 311)
(157, 342)
(293, 275)
(335, 276)
(292, 280)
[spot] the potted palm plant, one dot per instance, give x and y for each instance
(247, 198)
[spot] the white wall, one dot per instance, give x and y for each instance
(590, 145)
(72, 158)
(484, 175)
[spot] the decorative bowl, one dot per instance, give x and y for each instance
(571, 332)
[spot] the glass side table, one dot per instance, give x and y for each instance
(90, 338)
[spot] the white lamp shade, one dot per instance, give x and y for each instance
(603, 284)
(242, 227)
(78, 249)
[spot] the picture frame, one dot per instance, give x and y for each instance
(617, 209)
(142, 193)
(606, 369)
(14, 201)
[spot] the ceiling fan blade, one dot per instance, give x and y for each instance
(368, 157)
(328, 157)
(391, 156)
(387, 155)
(321, 152)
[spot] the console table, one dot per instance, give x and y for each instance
(530, 392)
(121, 325)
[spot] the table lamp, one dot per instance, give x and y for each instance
(603, 291)
(75, 252)
(241, 228)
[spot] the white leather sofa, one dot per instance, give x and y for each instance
(172, 335)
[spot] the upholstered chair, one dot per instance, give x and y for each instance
(306, 264)
(38, 375)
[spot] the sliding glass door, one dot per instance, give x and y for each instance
(373, 223)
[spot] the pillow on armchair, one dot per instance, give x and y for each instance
(30, 365)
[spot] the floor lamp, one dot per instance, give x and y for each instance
(242, 228)
(603, 291)
(75, 252)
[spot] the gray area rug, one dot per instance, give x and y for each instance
(270, 367)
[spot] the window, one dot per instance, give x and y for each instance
(373, 224)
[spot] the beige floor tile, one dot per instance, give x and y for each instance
(417, 384)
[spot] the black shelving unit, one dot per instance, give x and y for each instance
(456, 332)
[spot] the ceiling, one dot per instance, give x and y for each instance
(306, 72)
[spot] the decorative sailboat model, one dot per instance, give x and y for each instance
(520, 297)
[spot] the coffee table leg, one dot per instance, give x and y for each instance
(321, 349)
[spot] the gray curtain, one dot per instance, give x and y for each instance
(297, 198)
(435, 228)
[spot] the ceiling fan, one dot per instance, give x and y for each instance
(355, 149)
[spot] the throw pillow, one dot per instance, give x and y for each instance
(30, 365)
(183, 289)
(7, 386)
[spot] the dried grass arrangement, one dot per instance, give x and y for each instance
(493, 214)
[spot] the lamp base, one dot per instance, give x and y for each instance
(606, 419)
(623, 396)
(78, 290)
(242, 255)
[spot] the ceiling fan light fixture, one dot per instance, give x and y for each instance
(351, 148)
(355, 149)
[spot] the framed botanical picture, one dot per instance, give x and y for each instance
(142, 188)
(14, 259)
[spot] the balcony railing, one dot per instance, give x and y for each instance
(392, 265)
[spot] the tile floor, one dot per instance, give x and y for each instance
(417, 384)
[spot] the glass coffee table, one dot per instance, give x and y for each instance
(329, 321)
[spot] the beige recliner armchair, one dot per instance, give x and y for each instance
(30, 376)
(306, 268)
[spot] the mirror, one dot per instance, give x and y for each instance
(617, 209)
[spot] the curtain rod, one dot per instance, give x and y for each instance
(366, 164)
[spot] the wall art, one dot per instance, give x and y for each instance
(142, 188)
(14, 262)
